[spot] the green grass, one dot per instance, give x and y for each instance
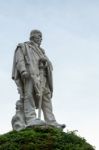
(43, 139)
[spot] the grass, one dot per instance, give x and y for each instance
(38, 138)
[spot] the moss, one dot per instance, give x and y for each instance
(43, 139)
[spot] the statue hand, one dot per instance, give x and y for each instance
(43, 59)
(37, 83)
(25, 75)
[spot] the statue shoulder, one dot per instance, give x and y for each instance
(21, 47)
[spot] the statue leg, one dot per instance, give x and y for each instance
(47, 108)
(29, 105)
(48, 112)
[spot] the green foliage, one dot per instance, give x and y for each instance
(43, 139)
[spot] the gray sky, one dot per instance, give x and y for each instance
(71, 40)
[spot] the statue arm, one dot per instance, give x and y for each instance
(20, 61)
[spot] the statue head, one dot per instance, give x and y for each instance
(36, 36)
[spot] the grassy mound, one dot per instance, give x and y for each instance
(43, 139)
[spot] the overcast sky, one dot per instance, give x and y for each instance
(71, 40)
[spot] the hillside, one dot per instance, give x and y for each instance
(39, 138)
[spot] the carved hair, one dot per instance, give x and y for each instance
(34, 32)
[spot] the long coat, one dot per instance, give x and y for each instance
(24, 49)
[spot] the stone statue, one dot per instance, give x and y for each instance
(32, 73)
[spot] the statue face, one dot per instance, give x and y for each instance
(37, 38)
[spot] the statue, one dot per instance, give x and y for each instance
(32, 73)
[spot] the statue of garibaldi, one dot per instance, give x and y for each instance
(32, 73)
